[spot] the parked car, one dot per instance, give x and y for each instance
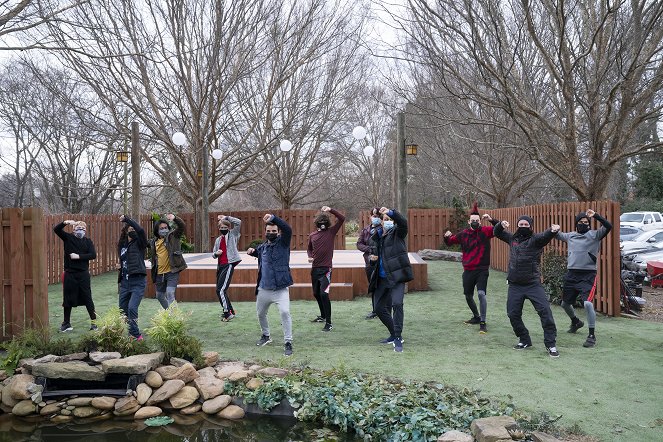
(638, 261)
(644, 220)
(643, 241)
(627, 233)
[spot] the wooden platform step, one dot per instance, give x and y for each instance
(340, 291)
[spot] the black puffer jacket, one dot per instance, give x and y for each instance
(392, 250)
(525, 254)
(132, 251)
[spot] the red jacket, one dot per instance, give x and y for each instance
(475, 245)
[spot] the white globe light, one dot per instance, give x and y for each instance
(217, 154)
(359, 132)
(285, 146)
(179, 139)
(369, 151)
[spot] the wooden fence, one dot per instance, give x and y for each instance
(104, 230)
(23, 262)
(427, 226)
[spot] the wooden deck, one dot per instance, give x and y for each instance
(197, 283)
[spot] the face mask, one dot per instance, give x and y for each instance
(163, 232)
(79, 233)
(223, 231)
(375, 221)
(388, 225)
(582, 228)
(322, 226)
(475, 225)
(271, 237)
(524, 231)
(133, 235)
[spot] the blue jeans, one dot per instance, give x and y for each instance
(132, 290)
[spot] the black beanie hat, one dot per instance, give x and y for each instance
(528, 219)
(580, 216)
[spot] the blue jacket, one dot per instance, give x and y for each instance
(276, 274)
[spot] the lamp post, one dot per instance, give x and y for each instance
(123, 157)
(399, 170)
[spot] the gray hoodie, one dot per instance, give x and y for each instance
(584, 248)
(231, 240)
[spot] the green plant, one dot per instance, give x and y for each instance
(255, 243)
(553, 269)
(30, 343)
(169, 333)
(111, 333)
(351, 228)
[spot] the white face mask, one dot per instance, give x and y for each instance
(388, 225)
(79, 233)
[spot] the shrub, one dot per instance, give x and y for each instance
(351, 228)
(168, 331)
(553, 269)
(255, 243)
(32, 343)
(111, 334)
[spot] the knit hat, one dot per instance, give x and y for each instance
(580, 216)
(475, 209)
(528, 219)
(79, 224)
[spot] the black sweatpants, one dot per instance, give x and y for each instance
(515, 301)
(389, 306)
(76, 290)
(224, 274)
(321, 282)
(478, 279)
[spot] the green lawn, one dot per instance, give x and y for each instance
(612, 391)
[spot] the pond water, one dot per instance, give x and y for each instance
(194, 428)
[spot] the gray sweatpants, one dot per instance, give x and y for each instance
(281, 298)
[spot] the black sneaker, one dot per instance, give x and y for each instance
(264, 340)
(473, 321)
(590, 342)
(327, 328)
(371, 315)
(552, 352)
(398, 345)
(390, 340)
(522, 345)
(66, 327)
(287, 349)
(575, 326)
(482, 328)
(93, 327)
(318, 319)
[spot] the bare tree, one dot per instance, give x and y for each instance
(577, 79)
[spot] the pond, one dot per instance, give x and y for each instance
(194, 428)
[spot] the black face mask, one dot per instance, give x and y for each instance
(322, 226)
(271, 237)
(132, 235)
(524, 231)
(582, 228)
(475, 225)
(223, 231)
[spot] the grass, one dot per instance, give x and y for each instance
(612, 391)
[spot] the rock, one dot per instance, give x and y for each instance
(50, 409)
(213, 406)
(191, 409)
(3, 375)
(492, 429)
(104, 402)
(138, 364)
(72, 357)
(143, 393)
(79, 401)
(44, 359)
(209, 387)
(101, 356)
(24, 363)
(231, 412)
(225, 371)
(538, 436)
(84, 412)
(126, 403)
(255, 367)
(168, 389)
(127, 412)
(239, 376)
(167, 372)
(455, 436)
(211, 358)
(61, 419)
(207, 372)
(153, 379)
(65, 412)
(70, 407)
(17, 388)
(254, 383)
(69, 370)
(273, 372)
(178, 362)
(42, 404)
(185, 397)
(444, 255)
(24, 408)
(147, 412)
(186, 372)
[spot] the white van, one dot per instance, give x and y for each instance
(644, 220)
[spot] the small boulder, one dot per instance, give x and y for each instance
(44, 359)
(178, 362)
(225, 371)
(104, 402)
(239, 376)
(18, 387)
(61, 419)
(211, 358)
(538, 436)
(191, 409)
(209, 387)
(50, 409)
(254, 383)
(186, 373)
(147, 412)
(65, 412)
(3, 375)
(168, 389)
(213, 406)
(143, 393)
(72, 357)
(185, 397)
(125, 403)
(69, 370)
(24, 408)
(127, 412)
(207, 372)
(153, 379)
(167, 372)
(85, 412)
(79, 401)
(232, 412)
(137, 364)
(101, 356)
(492, 428)
(455, 436)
